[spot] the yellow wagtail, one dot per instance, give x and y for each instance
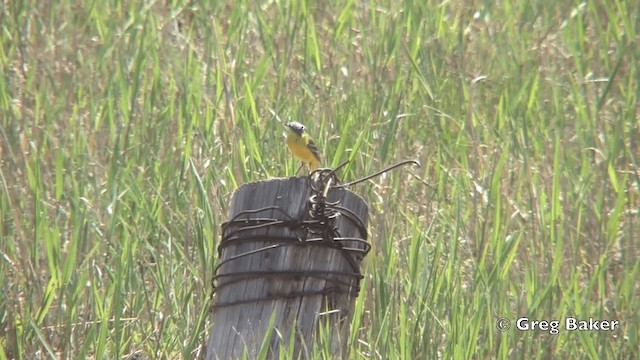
(301, 145)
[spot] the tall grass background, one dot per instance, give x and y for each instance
(126, 125)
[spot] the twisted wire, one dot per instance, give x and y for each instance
(317, 229)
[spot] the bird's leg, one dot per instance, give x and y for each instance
(299, 169)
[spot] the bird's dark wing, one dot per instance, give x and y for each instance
(314, 149)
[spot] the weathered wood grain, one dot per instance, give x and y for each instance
(245, 303)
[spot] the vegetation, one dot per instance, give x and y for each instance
(126, 125)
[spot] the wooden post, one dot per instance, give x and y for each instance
(279, 273)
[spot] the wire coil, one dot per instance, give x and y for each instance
(319, 228)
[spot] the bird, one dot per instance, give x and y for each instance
(301, 145)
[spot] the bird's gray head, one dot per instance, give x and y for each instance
(296, 127)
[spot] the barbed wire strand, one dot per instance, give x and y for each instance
(320, 229)
(320, 224)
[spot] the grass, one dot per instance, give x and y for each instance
(124, 127)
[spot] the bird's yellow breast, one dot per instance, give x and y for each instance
(299, 147)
